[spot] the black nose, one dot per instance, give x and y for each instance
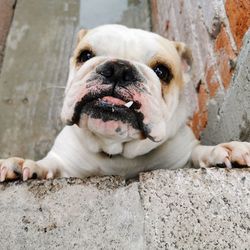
(119, 72)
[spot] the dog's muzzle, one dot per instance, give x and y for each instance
(109, 96)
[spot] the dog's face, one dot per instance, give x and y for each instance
(124, 86)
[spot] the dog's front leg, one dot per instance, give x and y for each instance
(225, 154)
(15, 168)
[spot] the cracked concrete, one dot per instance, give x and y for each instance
(34, 74)
(183, 209)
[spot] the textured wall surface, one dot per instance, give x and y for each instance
(6, 13)
(229, 118)
(185, 209)
(34, 74)
(214, 30)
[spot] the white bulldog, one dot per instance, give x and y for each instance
(125, 112)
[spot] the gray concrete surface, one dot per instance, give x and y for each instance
(183, 209)
(71, 214)
(196, 209)
(229, 115)
(34, 74)
(7, 8)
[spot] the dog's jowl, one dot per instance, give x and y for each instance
(124, 112)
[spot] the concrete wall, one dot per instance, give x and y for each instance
(214, 30)
(184, 209)
(34, 74)
(6, 13)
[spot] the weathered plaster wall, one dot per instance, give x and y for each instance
(184, 209)
(6, 13)
(34, 74)
(214, 30)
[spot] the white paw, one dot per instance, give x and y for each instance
(231, 154)
(16, 168)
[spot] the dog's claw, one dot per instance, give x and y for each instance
(26, 174)
(50, 175)
(247, 160)
(15, 168)
(3, 174)
(231, 154)
(228, 163)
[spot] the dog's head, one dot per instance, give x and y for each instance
(124, 89)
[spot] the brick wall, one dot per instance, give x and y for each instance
(214, 30)
(6, 14)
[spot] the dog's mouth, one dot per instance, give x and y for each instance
(111, 107)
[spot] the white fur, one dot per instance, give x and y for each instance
(81, 151)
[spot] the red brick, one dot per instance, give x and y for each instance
(211, 80)
(200, 117)
(202, 97)
(194, 124)
(225, 55)
(223, 42)
(199, 122)
(238, 13)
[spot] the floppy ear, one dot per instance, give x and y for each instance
(186, 56)
(81, 33)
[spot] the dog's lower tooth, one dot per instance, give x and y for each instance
(129, 104)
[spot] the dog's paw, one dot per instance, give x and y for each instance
(231, 154)
(17, 168)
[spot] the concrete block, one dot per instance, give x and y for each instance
(196, 209)
(99, 213)
(181, 209)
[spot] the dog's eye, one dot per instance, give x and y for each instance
(163, 72)
(84, 56)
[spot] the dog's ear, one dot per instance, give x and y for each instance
(185, 54)
(81, 33)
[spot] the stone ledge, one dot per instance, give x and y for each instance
(183, 209)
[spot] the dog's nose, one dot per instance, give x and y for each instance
(119, 72)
